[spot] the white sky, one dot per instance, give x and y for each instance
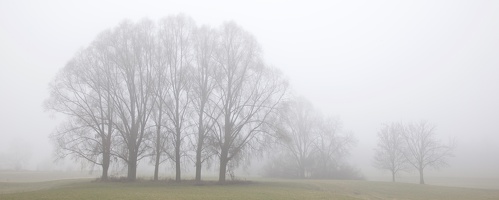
(368, 62)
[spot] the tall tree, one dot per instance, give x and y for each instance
(131, 48)
(204, 71)
(81, 91)
(424, 149)
(175, 36)
(160, 119)
(247, 92)
(389, 153)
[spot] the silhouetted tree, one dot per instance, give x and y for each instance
(424, 149)
(389, 154)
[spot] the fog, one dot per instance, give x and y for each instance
(366, 63)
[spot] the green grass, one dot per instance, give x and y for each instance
(267, 189)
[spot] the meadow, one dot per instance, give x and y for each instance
(261, 189)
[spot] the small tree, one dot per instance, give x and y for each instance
(424, 149)
(331, 147)
(389, 154)
(298, 125)
(309, 145)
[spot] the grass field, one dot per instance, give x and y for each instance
(265, 189)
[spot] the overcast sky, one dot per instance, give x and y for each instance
(366, 62)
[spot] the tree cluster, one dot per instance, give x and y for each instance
(309, 145)
(403, 147)
(169, 91)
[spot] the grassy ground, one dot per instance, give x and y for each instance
(270, 189)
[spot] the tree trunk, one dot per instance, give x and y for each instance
(177, 158)
(301, 167)
(156, 170)
(393, 176)
(198, 158)
(132, 168)
(156, 167)
(421, 178)
(158, 142)
(158, 148)
(104, 176)
(223, 164)
(199, 148)
(106, 159)
(132, 164)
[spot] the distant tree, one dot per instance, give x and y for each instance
(246, 94)
(424, 149)
(309, 145)
(331, 146)
(299, 126)
(389, 153)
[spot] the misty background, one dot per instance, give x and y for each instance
(364, 62)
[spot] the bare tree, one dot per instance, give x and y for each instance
(389, 154)
(204, 71)
(152, 86)
(424, 149)
(175, 37)
(81, 91)
(131, 48)
(309, 145)
(331, 146)
(246, 93)
(161, 91)
(298, 127)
